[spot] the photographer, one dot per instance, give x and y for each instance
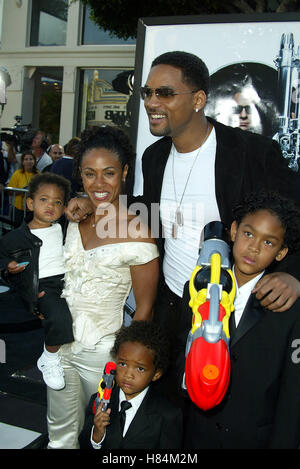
(39, 145)
(8, 164)
(15, 140)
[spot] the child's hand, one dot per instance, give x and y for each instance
(14, 268)
(101, 420)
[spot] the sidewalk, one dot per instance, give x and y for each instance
(22, 390)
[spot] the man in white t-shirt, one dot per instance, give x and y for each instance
(197, 173)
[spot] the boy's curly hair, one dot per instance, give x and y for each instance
(285, 209)
(148, 334)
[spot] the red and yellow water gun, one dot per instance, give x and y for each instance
(212, 291)
(105, 387)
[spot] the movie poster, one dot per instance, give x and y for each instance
(254, 68)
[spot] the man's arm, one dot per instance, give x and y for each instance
(277, 291)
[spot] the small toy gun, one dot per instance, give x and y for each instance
(212, 291)
(105, 387)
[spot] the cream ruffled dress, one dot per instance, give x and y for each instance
(97, 283)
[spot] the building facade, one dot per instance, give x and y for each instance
(65, 73)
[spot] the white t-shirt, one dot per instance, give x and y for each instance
(199, 207)
(51, 258)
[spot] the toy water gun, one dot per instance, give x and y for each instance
(105, 387)
(212, 291)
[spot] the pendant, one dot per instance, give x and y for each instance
(174, 230)
(179, 217)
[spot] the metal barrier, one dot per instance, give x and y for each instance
(7, 220)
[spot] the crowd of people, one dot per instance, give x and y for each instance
(18, 168)
(232, 176)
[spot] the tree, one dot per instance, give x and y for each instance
(120, 17)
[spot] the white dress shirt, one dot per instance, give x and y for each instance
(242, 295)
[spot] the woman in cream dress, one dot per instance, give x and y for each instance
(106, 254)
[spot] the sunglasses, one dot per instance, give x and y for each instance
(163, 94)
(239, 109)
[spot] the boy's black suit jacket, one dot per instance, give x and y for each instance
(262, 406)
(156, 425)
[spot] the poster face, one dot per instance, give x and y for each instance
(255, 75)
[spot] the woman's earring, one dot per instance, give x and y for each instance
(196, 110)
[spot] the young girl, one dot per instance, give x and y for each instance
(32, 256)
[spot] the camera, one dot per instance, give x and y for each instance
(20, 135)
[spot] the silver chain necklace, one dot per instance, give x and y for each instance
(178, 213)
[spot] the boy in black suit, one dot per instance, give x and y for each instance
(141, 353)
(262, 406)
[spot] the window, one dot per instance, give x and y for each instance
(50, 90)
(48, 22)
(104, 97)
(93, 34)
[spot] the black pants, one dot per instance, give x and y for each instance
(58, 319)
(173, 314)
(167, 311)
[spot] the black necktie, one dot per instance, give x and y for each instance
(124, 406)
(232, 324)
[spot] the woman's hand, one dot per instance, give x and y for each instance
(78, 209)
(277, 291)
